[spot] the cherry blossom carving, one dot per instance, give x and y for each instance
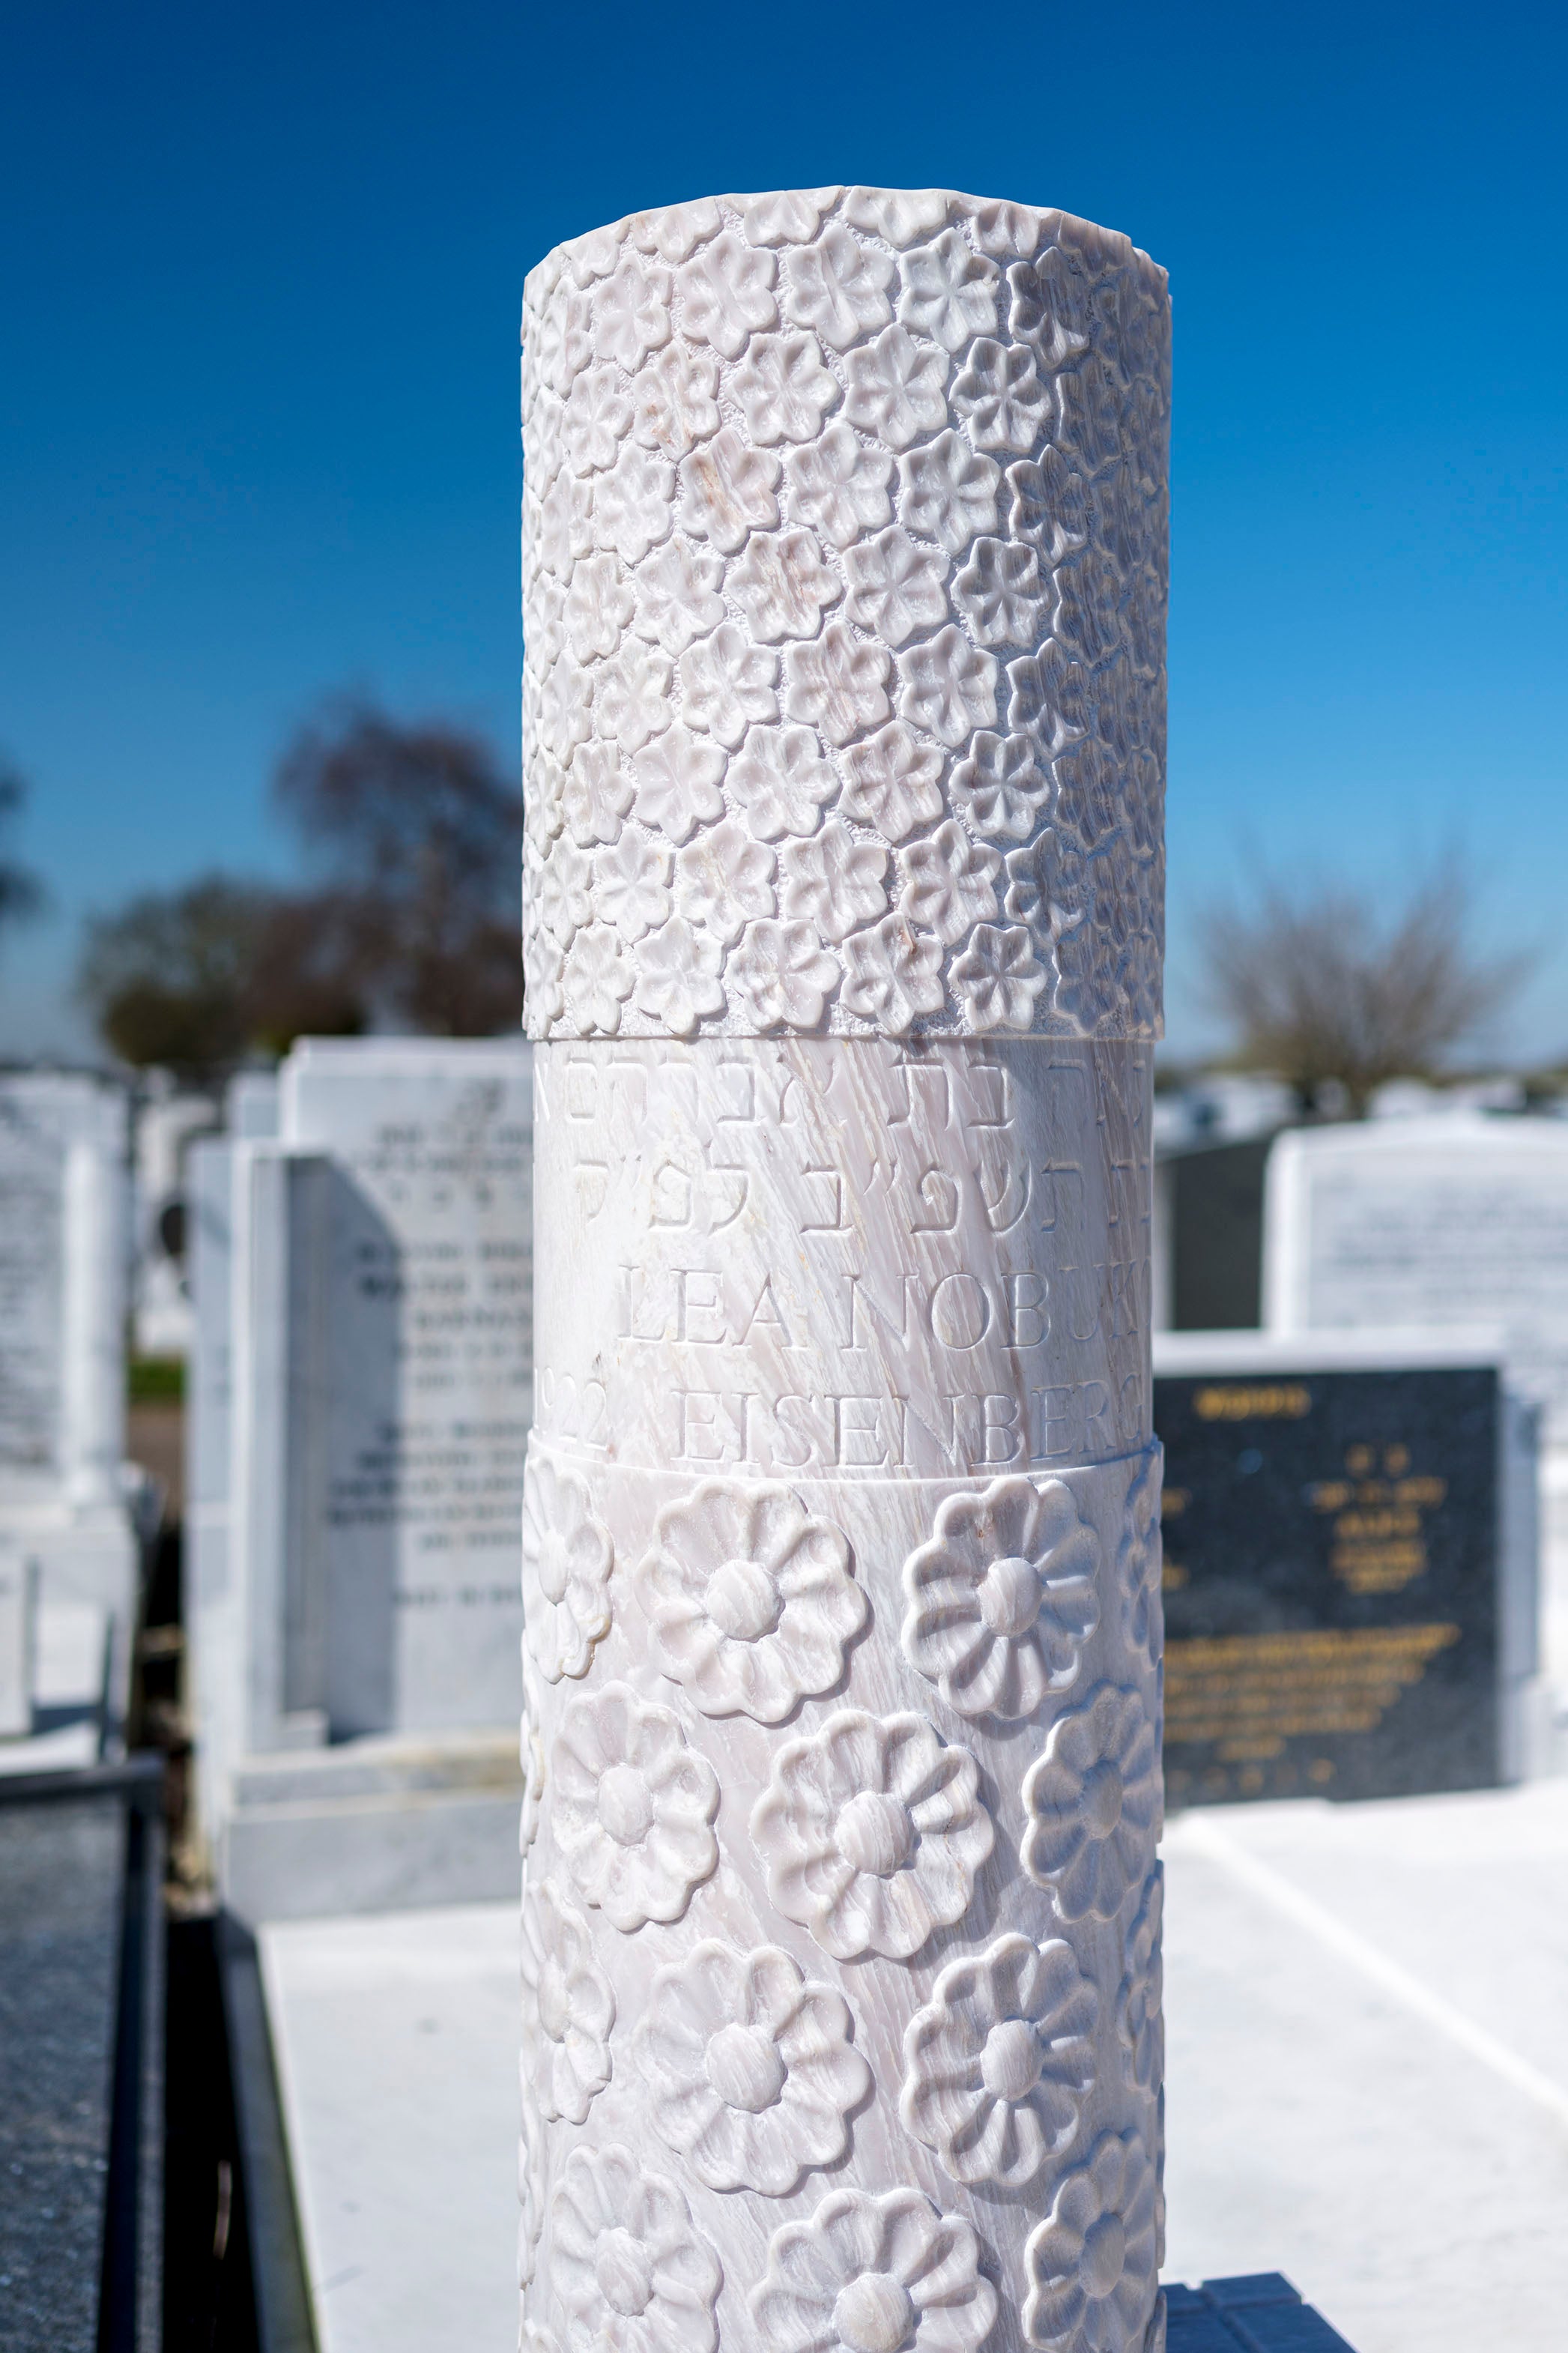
(897, 387)
(947, 686)
(895, 585)
(1139, 1558)
(892, 781)
(1090, 596)
(949, 884)
(596, 421)
(632, 698)
(633, 503)
(1002, 1599)
(1048, 504)
(1049, 307)
(781, 781)
(872, 1831)
(749, 2067)
(1092, 1803)
(1139, 2016)
(678, 976)
(874, 2273)
(782, 585)
(1000, 397)
(631, 885)
(900, 215)
(838, 287)
(596, 794)
(838, 684)
(729, 488)
(598, 608)
(677, 596)
(634, 1807)
(949, 291)
(998, 979)
(631, 314)
(1001, 227)
(788, 215)
(595, 255)
(949, 491)
(633, 2272)
(671, 230)
(566, 894)
(674, 399)
(564, 710)
(838, 486)
(1001, 594)
(996, 2064)
(677, 780)
(833, 881)
(543, 964)
(1047, 696)
(722, 879)
(569, 2008)
(597, 978)
(749, 1600)
(726, 291)
(727, 684)
(1089, 424)
(1001, 787)
(783, 388)
(892, 975)
(567, 1556)
(1090, 2265)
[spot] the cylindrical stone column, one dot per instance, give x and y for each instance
(845, 565)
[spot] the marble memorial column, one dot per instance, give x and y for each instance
(844, 562)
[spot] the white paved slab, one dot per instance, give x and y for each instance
(396, 2038)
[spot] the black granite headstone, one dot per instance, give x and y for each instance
(1332, 1552)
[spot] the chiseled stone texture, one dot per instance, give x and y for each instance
(845, 555)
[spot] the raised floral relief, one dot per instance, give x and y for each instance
(598, 608)
(1001, 398)
(782, 585)
(998, 2062)
(726, 291)
(949, 291)
(838, 685)
(997, 979)
(728, 491)
(783, 388)
(947, 686)
(838, 486)
(677, 977)
(631, 700)
(892, 781)
(837, 286)
(1000, 592)
(567, 1557)
(874, 2273)
(677, 780)
(949, 884)
(833, 881)
(892, 975)
(749, 1600)
(631, 314)
(596, 795)
(872, 1831)
(598, 977)
(895, 585)
(596, 421)
(674, 403)
(634, 504)
(634, 1807)
(1092, 1805)
(632, 881)
(781, 976)
(671, 230)
(900, 215)
(786, 215)
(530, 1757)
(531, 2180)
(1048, 504)
(569, 2008)
(723, 879)
(1002, 1599)
(1139, 2016)
(1001, 787)
(749, 2067)
(727, 684)
(949, 491)
(897, 387)
(1090, 2265)
(781, 780)
(1049, 307)
(677, 596)
(1138, 1557)
(632, 2270)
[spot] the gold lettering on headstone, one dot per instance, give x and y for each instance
(1248, 1693)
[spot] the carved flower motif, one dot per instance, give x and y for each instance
(1089, 607)
(838, 486)
(596, 420)
(675, 399)
(1001, 591)
(722, 879)
(782, 585)
(1139, 2015)
(837, 286)
(997, 978)
(947, 686)
(677, 595)
(900, 215)
(949, 291)
(895, 586)
(1048, 504)
(996, 2064)
(729, 488)
(872, 1832)
(598, 607)
(1091, 2265)
(783, 389)
(1090, 427)
(567, 1556)
(874, 2274)
(542, 965)
(892, 782)
(1002, 1599)
(597, 978)
(838, 684)
(786, 215)
(727, 683)
(595, 255)
(563, 709)
(632, 882)
(570, 2008)
(1092, 1803)
(678, 782)
(564, 886)
(565, 522)
(1000, 397)
(781, 974)
(530, 1757)
(1000, 786)
(671, 230)
(596, 794)
(749, 2067)
(726, 291)
(1090, 790)
(949, 491)
(633, 505)
(949, 882)
(1046, 697)
(1139, 1560)
(781, 780)
(897, 387)
(893, 974)
(631, 314)
(1003, 227)
(633, 2272)
(1048, 306)
(536, 2338)
(633, 695)
(531, 2183)
(634, 1807)
(833, 881)
(750, 1601)
(678, 976)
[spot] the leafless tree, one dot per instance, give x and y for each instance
(1325, 984)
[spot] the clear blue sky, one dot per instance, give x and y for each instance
(262, 271)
